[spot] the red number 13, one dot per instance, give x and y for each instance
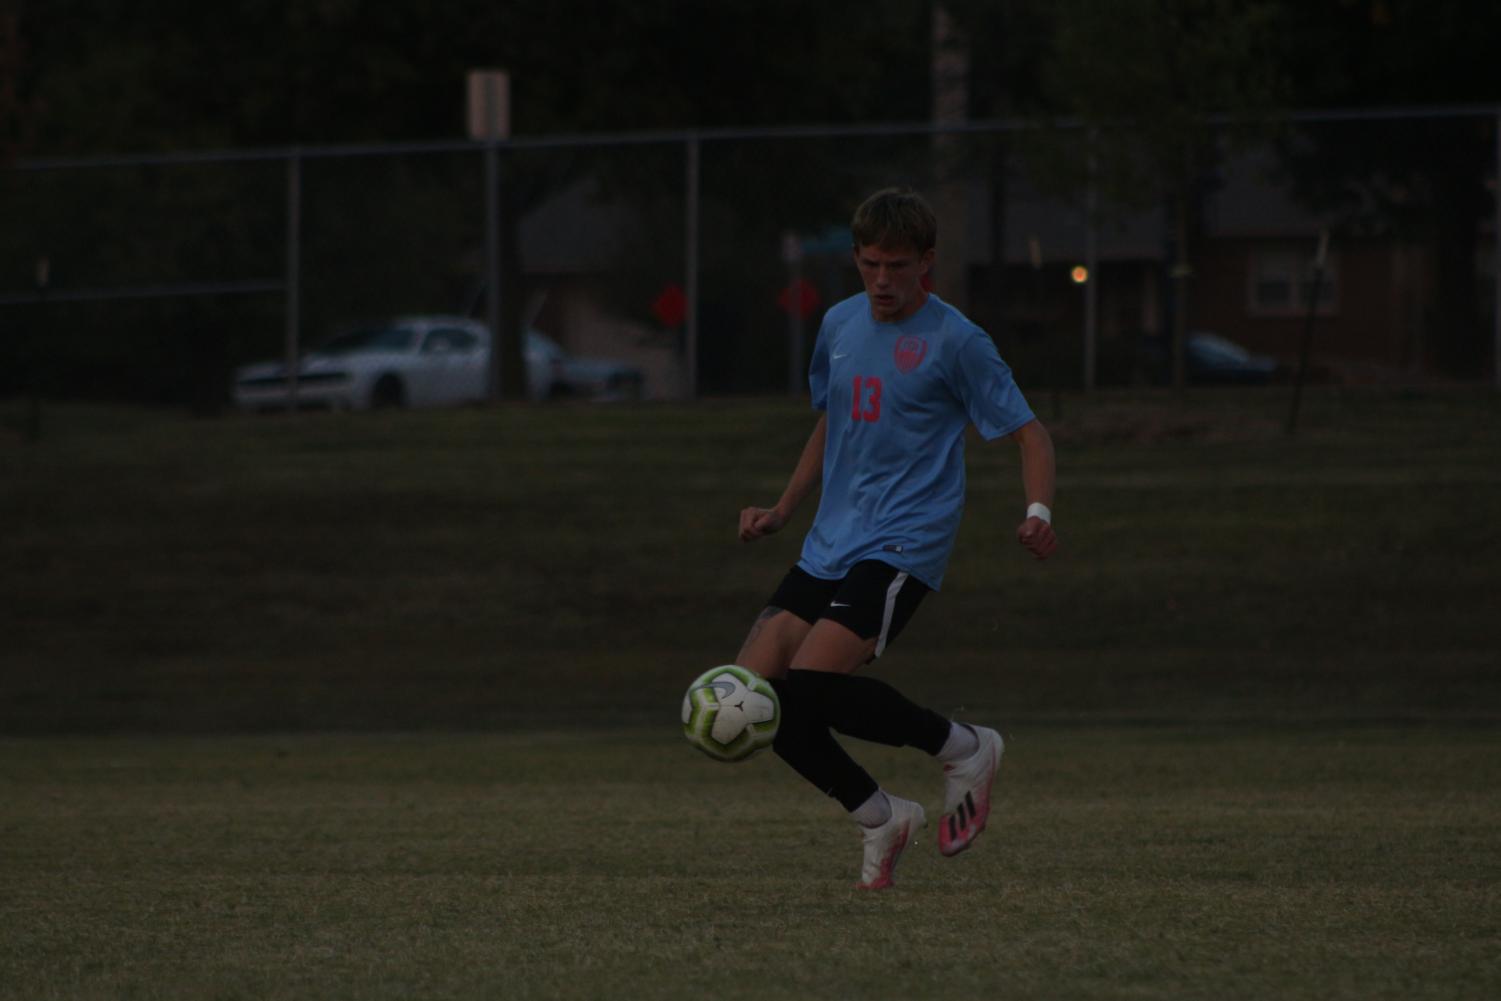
(867, 406)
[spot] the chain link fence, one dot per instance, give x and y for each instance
(703, 261)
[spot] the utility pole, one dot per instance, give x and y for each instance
(1320, 261)
(489, 121)
(951, 197)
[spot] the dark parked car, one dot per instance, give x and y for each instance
(602, 379)
(1210, 359)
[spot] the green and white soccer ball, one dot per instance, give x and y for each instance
(730, 713)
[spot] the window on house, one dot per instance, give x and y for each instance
(1281, 283)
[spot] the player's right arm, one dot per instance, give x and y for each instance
(1039, 474)
(756, 522)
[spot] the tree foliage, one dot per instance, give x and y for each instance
(177, 73)
(1423, 180)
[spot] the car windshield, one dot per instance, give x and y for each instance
(544, 347)
(1220, 350)
(374, 339)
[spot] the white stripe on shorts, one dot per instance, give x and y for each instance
(891, 593)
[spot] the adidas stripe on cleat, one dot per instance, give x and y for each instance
(967, 793)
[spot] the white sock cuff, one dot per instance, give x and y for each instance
(961, 744)
(874, 811)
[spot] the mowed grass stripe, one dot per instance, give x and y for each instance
(1154, 862)
(524, 567)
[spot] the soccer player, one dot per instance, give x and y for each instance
(900, 375)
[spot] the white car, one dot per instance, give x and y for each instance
(414, 361)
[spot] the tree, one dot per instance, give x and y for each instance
(12, 112)
(1422, 179)
(1144, 79)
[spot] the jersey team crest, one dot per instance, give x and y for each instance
(910, 351)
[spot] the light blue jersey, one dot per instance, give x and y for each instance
(899, 397)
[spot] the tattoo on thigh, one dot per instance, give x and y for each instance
(769, 613)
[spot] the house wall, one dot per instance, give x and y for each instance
(574, 316)
(1374, 321)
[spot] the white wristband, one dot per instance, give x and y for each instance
(1036, 510)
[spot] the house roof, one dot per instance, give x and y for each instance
(577, 230)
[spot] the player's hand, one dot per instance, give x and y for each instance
(1038, 538)
(758, 521)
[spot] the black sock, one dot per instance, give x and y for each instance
(805, 743)
(870, 709)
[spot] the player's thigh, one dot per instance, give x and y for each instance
(798, 601)
(869, 609)
(832, 646)
(773, 638)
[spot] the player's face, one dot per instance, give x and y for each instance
(893, 280)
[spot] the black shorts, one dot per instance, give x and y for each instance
(874, 600)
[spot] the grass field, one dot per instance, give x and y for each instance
(1157, 862)
(384, 707)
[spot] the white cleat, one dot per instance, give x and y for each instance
(966, 800)
(885, 844)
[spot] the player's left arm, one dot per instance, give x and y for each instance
(1039, 475)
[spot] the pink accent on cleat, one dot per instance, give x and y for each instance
(884, 844)
(967, 793)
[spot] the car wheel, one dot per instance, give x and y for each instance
(388, 394)
(628, 387)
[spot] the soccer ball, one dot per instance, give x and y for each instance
(730, 713)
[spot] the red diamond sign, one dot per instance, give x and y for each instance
(799, 295)
(671, 306)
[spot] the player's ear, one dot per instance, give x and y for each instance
(925, 262)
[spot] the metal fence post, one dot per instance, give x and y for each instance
(294, 269)
(1320, 261)
(492, 263)
(1496, 260)
(1091, 266)
(33, 350)
(690, 265)
(792, 255)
